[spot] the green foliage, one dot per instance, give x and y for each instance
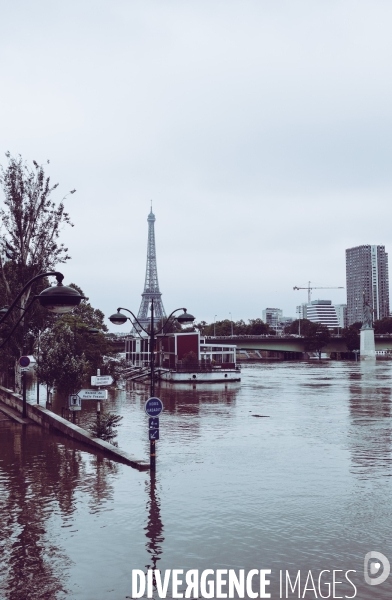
(59, 365)
(316, 337)
(302, 325)
(383, 325)
(351, 336)
(31, 219)
(224, 328)
(29, 244)
(170, 326)
(104, 427)
(258, 327)
(69, 341)
(190, 359)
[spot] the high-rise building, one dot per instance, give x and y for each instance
(151, 285)
(341, 313)
(272, 316)
(322, 311)
(367, 276)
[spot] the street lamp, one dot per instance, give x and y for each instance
(214, 323)
(119, 318)
(58, 299)
(299, 319)
(231, 321)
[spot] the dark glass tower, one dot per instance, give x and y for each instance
(367, 274)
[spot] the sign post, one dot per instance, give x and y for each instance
(153, 408)
(98, 403)
(24, 363)
(74, 404)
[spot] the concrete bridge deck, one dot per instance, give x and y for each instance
(291, 343)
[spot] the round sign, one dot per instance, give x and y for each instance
(153, 407)
(24, 361)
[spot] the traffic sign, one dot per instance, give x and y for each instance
(24, 369)
(101, 380)
(153, 423)
(93, 394)
(153, 434)
(24, 361)
(74, 402)
(153, 407)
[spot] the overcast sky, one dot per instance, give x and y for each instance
(261, 129)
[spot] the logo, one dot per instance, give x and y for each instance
(372, 565)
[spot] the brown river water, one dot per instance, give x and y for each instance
(306, 486)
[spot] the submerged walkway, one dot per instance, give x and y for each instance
(11, 405)
(9, 414)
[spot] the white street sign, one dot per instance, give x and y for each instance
(93, 394)
(101, 380)
(74, 402)
(24, 369)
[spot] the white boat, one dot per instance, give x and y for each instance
(185, 357)
(196, 375)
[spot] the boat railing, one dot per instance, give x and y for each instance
(205, 367)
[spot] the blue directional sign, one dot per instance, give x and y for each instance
(153, 407)
(153, 434)
(153, 423)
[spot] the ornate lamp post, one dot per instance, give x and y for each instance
(58, 299)
(119, 318)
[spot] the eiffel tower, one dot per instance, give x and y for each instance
(151, 285)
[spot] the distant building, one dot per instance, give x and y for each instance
(301, 311)
(322, 311)
(341, 313)
(367, 275)
(272, 316)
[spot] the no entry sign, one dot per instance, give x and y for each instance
(153, 407)
(24, 361)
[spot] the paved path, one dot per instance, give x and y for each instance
(9, 414)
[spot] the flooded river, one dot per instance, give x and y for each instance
(288, 470)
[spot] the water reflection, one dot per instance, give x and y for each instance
(189, 399)
(370, 409)
(154, 527)
(39, 476)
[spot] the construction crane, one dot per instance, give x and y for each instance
(310, 288)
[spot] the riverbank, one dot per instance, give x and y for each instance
(45, 418)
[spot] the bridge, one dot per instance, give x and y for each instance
(292, 346)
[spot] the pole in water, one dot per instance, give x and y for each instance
(98, 403)
(36, 377)
(152, 388)
(152, 455)
(24, 413)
